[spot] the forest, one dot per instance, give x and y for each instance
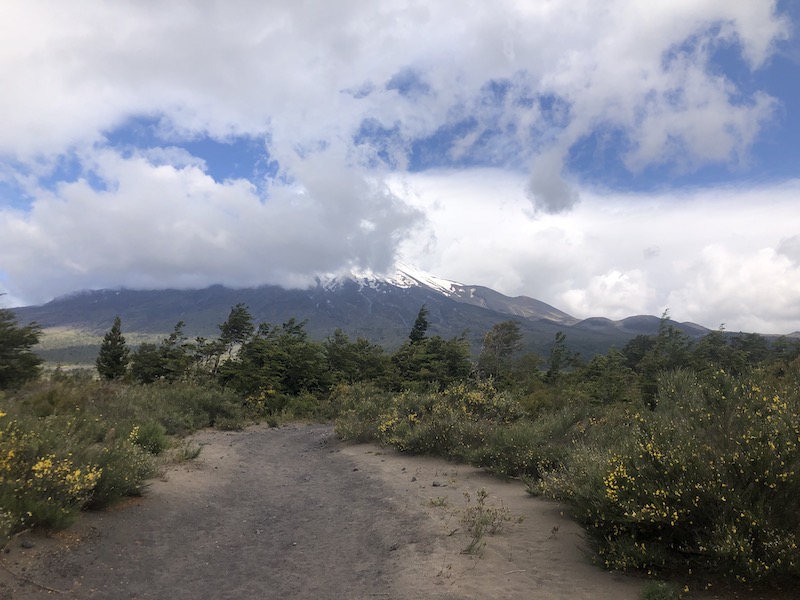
(676, 456)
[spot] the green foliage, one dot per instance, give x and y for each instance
(707, 481)
(420, 329)
(359, 408)
(279, 359)
(150, 436)
(607, 379)
(146, 364)
(124, 469)
(429, 363)
(66, 444)
(660, 590)
(499, 346)
(561, 358)
(530, 448)
(112, 360)
(671, 349)
(42, 483)
(237, 328)
(18, 363)
(352, 362)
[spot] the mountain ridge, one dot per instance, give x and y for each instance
(379, 308)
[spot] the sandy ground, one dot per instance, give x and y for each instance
(294, 513)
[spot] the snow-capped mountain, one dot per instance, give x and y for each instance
(406, 276)
(381, 309)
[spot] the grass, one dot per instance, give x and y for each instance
(480, 519)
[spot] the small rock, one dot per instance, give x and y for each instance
(27, 544)
(438, 484)
(413, 479)
(355, 468)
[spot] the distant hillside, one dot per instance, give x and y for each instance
(380, 309)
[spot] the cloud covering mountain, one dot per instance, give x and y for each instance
(610, 158)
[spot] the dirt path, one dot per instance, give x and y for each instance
(293, 513)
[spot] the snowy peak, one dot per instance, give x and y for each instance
(405, 276)
(408, 276)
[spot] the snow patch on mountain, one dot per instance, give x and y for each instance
(404, 276)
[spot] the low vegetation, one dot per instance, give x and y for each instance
(680, 458)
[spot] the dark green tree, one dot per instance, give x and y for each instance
(147, 365)
(420, 329)
(171, 360)
(351, 362)
(713, 352)
(671, 350)
(177, 354)
(18, 363)
(279, 359)
(608, 379)
(636, 349)
(753, 346)
(560, 357)
(237, 328)
(499, 346)
(430, 363)
(112, 360)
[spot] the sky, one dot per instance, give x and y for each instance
(610, 158)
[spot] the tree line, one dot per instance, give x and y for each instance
(283, 359)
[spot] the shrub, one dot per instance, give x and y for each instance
(125, 470)
(41, 483)
(708, 480)
(150, 436)
(71, 444)
(359, 408)
(528, 448)
(660, 590)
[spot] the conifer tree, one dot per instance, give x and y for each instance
(420, 328)
(18, 363)
(112, 361)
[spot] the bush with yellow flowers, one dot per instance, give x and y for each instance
(707, 480)
(39, 484)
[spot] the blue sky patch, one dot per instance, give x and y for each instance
(239, 157)
(409, 83)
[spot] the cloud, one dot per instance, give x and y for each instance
(156, 225)
(225, 68)
(547, 188)
(380, 121)
(617, 255)
(762, 290)
(614, 294)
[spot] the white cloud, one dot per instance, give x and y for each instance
(72, 71)
(760, 291)
(614, 295)
(618, 255)
(159, 226)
